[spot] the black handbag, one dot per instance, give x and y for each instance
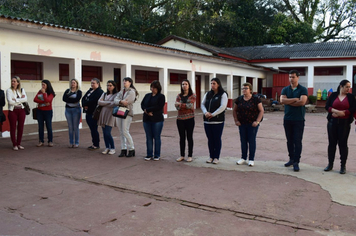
(120, 112)
(27, 108)
(97, 112)
(34, 113)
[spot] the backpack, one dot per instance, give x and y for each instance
(255, 100)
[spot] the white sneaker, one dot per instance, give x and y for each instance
(112, 151)
(210, 160)
(241, 161)
(106, 151)
(251, 163)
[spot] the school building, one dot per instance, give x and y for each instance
(36, 50)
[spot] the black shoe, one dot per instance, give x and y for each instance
(289, 163)
(131, 153)
(343, 170)
(123, 153)
(296, 167)
(328, 168)
(148, 158)
(156, 158)
(92, 148)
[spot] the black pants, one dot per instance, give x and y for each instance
(338, 134)
(294, 130)
(185, 129)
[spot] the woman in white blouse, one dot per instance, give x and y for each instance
(15, 97)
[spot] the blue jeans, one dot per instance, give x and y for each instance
(73, 119)
(248, 135)
(213, 133)
(109, 141)
(45, 117)
(294, 133)
(93, 126)
(153, 131)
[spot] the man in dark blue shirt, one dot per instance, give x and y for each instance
(294, 97)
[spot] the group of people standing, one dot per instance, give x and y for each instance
(247, 113)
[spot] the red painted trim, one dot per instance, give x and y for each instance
(232, 57)
(310, 91)
(230, 103)
(165, 109)
(301, 59)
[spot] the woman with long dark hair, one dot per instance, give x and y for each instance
(341, 107)
(152, 106)
(15, 97)
(185, 119)
(73, 111)
(89, 103)
(126, 98)
(106, 119)
(44, 99)
(213, 106)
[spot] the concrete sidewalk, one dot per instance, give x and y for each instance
(63, 191)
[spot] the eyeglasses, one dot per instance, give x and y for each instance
(245, 88)
(109, 85)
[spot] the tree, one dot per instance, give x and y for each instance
(330, 19)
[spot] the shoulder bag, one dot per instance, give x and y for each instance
(120, 112)
(97, 111)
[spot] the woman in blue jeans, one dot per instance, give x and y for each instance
(248, 113)
(152, 106)
(73, 112)
(213, 106)
(89, 103)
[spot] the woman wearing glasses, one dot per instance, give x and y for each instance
(248, 112)
(106, 119)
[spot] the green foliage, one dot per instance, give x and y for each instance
(223, 23)
(312, 99)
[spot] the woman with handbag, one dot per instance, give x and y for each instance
(152, 106)
(73, 112)
(16, 96)
(89, 103)
(44, 99)
(185, 119)
(106, 119)
(126, 98)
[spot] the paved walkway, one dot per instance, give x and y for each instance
(62, 191)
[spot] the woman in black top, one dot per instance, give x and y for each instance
(89, 103)
(152, 105)
(248, 112)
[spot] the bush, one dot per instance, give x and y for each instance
(312, 99)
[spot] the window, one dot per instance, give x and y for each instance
(337, 70)
(143, 76)
(64, 72)
(90, 72)
(26, 70)
(176, 78)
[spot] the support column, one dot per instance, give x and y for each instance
(349, 73)
(126, 71)
(310, 78)
(75, 70)
(243, 80)
(5, 78)
(229, 83)
(163, 79)
(255, 84)
(191, 78)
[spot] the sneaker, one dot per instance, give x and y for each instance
(76, 146)
(190, 159)
(106, 151)
(112, 151)
(92, 148)
(251, 163)
(210, 160)
(70, 146)
(148, 158)
(50, 144)
(180, 159)
(241, 161)
(20, 147)
(15, 148)
(215, 161)
(40, 144)
(156, 158)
